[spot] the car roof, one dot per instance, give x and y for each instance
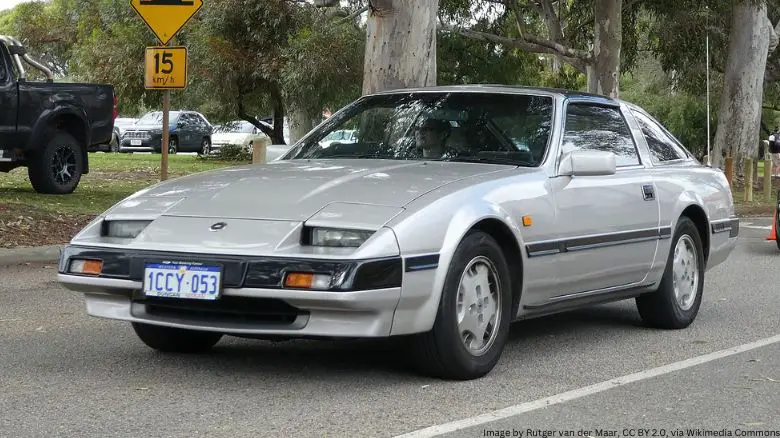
(500, 88)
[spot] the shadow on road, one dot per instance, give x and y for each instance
(357, 359)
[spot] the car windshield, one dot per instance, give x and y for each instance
(481, 127)
(156, 118)
(236, 128)
(124, 122)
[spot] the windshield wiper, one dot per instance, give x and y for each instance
(492, 160)
(327, 157)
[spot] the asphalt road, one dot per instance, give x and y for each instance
(63, 373)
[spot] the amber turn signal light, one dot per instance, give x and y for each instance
(87, 267)
(300, 280)
(307, 280)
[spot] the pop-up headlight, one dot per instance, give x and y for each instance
(124, 229)
(339, 238)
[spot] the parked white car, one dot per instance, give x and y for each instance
(238, 133)
(343, 136)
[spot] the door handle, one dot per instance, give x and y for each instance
(648, 192)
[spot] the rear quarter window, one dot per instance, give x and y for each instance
(663, 148)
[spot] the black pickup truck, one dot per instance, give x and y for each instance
(49, 127)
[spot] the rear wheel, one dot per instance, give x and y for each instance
(676, 302)
(175, 340)
(472, 323)
(57, 167)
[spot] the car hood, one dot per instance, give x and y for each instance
(295, 190)
(230, 137)
(145, 127)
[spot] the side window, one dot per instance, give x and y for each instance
(599, 128)
(3, 69)
(662, 147)
(186, 121)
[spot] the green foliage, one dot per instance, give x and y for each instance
(576, 20)
(323, 62)
(468, 61)
(683, 114)
(229, 152)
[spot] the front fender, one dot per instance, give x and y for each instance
(428, 240)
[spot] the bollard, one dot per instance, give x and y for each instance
(748, 180)
(259, 151)
(768, 177)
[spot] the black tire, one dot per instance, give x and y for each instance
(56, 168)
(175, 340)
(205, 146)
(173, 146)
(441, 352)
(661, 309)
(114, 145)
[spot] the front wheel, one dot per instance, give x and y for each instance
(114, 144)
(173, 146)
(676, 302)
(57, 167)
(474, 314)
(205, 146)
(175, 340)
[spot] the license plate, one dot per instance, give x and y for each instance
(135, 142)
(181, 280)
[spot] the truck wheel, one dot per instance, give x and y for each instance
(56, 169)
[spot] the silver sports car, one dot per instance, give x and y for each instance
(453, 212)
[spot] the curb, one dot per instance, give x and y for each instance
(36, 254)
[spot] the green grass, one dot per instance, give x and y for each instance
(112, 177)
(759, 206)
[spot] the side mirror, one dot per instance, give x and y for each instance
(587, 163)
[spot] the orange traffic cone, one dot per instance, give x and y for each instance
(773, 233)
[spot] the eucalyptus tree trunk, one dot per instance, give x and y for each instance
(739, 117)
(400, 44)
(608, 39)
(301, 122)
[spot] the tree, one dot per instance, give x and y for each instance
(589, 36)
(400, 44)
(323, 67)
(744, 63)
(295, 64)
(743, 87)
(239, 57)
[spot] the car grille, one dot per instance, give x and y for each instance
(137, 134)
(227, 310)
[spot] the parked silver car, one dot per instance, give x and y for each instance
(456, 211)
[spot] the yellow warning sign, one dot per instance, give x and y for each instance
(166, 68)
(166, 17)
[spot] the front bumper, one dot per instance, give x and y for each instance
(252, 302)
(147, 144)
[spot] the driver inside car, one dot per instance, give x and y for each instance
(431, 138)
